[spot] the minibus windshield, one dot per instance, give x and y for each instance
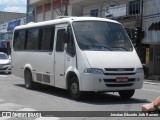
(101, 36)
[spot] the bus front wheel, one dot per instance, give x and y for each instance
(126, 94)
(29, 84)
(74, 91)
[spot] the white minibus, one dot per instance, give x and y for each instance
(77, 54)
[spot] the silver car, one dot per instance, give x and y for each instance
(5, 63)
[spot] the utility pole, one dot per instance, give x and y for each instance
(66, 8)
(27, 11)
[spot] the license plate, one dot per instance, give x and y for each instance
(122, 79)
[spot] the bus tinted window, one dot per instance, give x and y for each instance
(19, 40)
(101, 36)
(32, 39)
(16, 37)
(47, 39)
(71, 50)
(60, 40)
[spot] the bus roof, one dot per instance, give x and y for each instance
(63, 20)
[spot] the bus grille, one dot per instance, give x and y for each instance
(114, 83)
(119, 85)
(119, 69)
(114, 80)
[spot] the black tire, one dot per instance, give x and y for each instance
(29, 84)
(73, 88)
(126, 94)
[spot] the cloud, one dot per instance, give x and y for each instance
(13, 5)
(15, 9)
(13, 2)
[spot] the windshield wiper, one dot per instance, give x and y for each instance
(100, 47)
(120, 48)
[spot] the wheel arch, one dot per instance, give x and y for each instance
(70, 73)
(28, 67)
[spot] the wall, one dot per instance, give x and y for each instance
(151, 14)
(8, 16)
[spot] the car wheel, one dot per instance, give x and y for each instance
(126, 94)
(74, 91)
(29, 84)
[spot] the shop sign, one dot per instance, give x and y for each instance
(124, 18)
(13, 24)
(116, 11)
(154, 26)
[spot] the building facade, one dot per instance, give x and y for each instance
(8, 16)
(133, 14)
(6, 32)
(151, 26)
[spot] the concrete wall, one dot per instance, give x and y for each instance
(8, 16)
(151, 14)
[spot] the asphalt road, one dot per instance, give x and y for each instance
(15, 97)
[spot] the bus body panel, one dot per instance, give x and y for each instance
(53, 68)
(40, 64)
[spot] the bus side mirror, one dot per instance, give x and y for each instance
(66, 37)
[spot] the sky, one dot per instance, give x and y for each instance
(13, 6)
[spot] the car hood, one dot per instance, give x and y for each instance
(105, 59)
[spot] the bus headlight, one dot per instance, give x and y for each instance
(93, 71)
(139, 70)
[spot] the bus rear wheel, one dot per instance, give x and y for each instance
(74, 91)
(29, 84)
(126, 94)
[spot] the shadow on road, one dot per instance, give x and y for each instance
(89, 97)
(2, 73)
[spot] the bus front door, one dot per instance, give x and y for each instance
(60, 55)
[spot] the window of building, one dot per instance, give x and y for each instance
(134, 7)
(32, 39)
(94, 13)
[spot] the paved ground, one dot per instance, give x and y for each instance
(15, 97)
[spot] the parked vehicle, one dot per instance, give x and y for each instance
(66, 53)
(5, 63)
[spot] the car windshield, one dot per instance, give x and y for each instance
(3, 56)
(101, 36)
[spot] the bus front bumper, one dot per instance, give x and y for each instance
(101, 82)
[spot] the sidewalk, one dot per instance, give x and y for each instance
(152, 82)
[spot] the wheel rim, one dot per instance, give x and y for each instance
(74, 88)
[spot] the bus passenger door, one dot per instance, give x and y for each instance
(60, 55)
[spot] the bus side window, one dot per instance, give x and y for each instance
(47, 39)
(19, 40)
(16, 39)
(60, 40)
(71, 45)
(32, 39)
(22, 39)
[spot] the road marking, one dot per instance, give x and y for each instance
(151, 90)
(17, 107)
(26, 109)
(152, 83)
(9, 106)
(3, 75)
(48, 118)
